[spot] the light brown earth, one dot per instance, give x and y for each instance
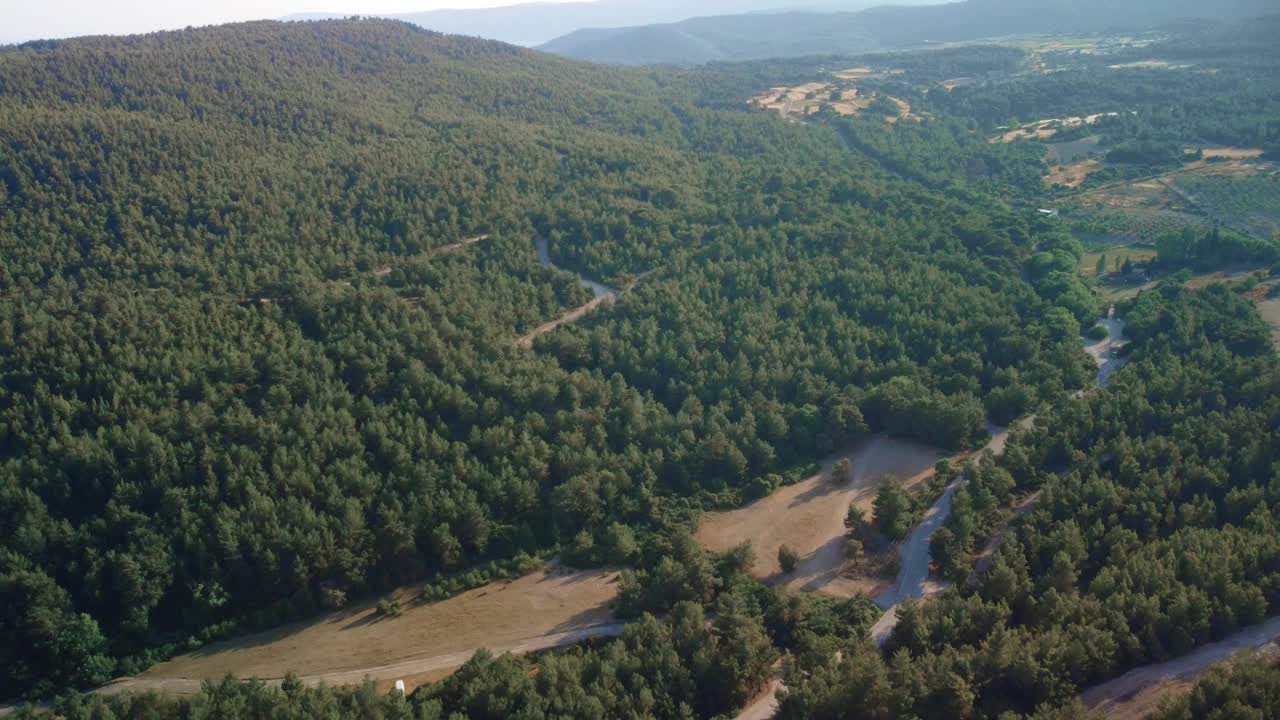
(1073, 175)
(548, 608)
(809, 516)
(1270, 311)
(1138, 692)
(526, 342)
(858, 73)
(1232, 153)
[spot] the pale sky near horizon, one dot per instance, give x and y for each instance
(22, 20)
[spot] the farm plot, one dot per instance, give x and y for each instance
(1116, 257)
(1246, 202)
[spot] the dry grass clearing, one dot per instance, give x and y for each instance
(809, 516)
(552, 600)
(1073, 175)
(1270, 311)
(1230, 153)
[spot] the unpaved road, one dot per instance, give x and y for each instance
(913, 576)
(1113, 698)
(914, 572)
(451, 661)
(602, 294)
(525, 342)
(1106, 352)
(384, 272)
(544, 256)
(763, 707)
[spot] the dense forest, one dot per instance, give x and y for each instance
(258, 308)
(1154, 532)
(245, 375)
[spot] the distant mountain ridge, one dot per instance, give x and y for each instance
(790, 34)
(534, 23)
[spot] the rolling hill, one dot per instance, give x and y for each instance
(533, 23)
(793, 34)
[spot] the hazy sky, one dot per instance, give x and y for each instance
(35, 19)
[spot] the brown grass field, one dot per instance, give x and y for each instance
(809, 516)
(1232, 153)
(1073, 175)
(1270, 311)
(552, 600)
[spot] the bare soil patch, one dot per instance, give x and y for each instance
(548, 602)
(526, 342)
(1073, 175)
(809, 516)
(1269, 308)
(1140, 692)
(1231, 153)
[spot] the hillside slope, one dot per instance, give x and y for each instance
(792, 34)
(533, 23)
(242, 380)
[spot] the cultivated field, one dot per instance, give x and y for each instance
(809, 516)
(353, 641)
(1114, 255)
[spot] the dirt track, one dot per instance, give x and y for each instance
(526, 342)
(1118, 697)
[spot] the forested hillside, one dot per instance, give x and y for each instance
(1154, 533)
(751, 36)
(244, 373)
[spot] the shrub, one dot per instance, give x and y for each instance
(787, 558)
(388, 608)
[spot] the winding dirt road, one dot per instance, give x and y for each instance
(602, 294)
